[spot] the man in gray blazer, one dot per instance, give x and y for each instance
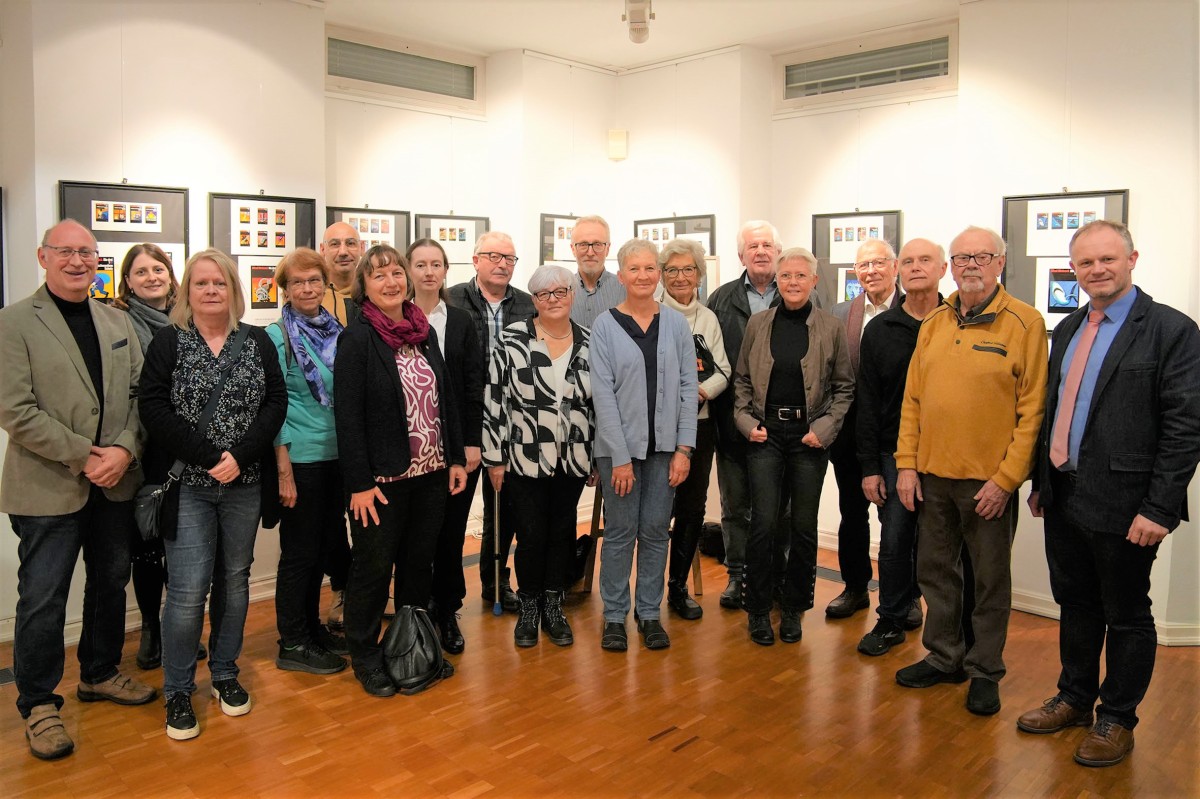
(68, 402)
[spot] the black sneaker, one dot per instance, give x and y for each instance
(181, 719)
(883, 637)
(923, 675)
(234, 699)
(376, 682)
(983, 697)
(331, 641)
(309, 658)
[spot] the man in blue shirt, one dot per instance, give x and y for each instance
(1119, 444)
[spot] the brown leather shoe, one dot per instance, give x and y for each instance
(1106, 745)
(1054, 715)
(120, 689)
(48, 739)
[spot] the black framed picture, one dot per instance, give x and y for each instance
(457, 235)
(555, 238)
(702, 228)
(374, 225)
(1037, 229)
(256, 230)
(121, 215)
(836, 238)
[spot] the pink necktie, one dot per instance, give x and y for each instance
(1066, 407)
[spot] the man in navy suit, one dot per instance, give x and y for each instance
(1119, 444)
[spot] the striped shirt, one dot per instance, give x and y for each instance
(587, 305)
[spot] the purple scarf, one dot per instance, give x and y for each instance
(413, 330)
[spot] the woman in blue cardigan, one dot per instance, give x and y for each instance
(643, 365)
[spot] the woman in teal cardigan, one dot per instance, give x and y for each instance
(312, 511)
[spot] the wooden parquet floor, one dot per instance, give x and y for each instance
(714, 715)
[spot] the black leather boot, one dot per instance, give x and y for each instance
(149, 654)
(526, 631)
(554, 622)
(681, 602)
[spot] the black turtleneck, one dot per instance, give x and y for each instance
(789, 344)
(78, 316)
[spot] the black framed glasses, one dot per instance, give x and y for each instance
(84, 253)
(558, 294)
(594, 246)
(981, 258)
(497, 257)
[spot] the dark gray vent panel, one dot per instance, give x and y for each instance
(890, 65)
(403, 70)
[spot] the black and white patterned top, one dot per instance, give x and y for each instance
(527, 425)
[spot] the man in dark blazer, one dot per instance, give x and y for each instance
(68, 402)
(875, 268)
(1118, 446)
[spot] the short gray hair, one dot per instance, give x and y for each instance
(1119, 228)
(548, 277)
(683, 247)
(497, 235)
(755, 224)
(633, 247)
(997, 239)
(794, 253)
(594, 219)
(887, 247)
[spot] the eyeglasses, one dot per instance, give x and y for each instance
(981, 258)
(351, 244)
(312, 282)
(497, 257)
(675, 271)
(876, 264)
(558, 294)
(594, 246)
(84, 253)
(789, 277)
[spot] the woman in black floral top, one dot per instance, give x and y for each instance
(213, 543)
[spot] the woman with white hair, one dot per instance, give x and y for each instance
(537, 444)
(682, 264)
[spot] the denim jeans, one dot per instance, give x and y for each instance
(641, 517)
(308, 537)
(213, 546)
(1102, 583)
(782, 469)
(47, 550)
(546, 513)
(897, 550)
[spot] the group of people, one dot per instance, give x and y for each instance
(380, 397)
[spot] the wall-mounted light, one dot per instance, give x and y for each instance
(618, 144)
(638, 14)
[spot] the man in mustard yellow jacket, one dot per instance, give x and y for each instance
(68, 401)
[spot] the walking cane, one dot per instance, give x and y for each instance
(497, 609)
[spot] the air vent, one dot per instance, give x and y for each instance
(890, 65)
(362, 62)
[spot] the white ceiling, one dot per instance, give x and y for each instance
(591, 31)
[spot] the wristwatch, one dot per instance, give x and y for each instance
(685, 452)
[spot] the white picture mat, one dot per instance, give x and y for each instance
(147, 210)
(462, 247)
(1052, 242)
(845, 252)
(255, 227)
(659, 232)
(562, 239)
(117, 250)
(374, 225)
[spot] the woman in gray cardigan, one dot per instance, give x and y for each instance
(643, 366)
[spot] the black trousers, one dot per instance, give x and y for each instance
(404, 540)
(1102, 583)
(545, 509)
(308, 538)
(449, 584)
(854, 530)
(691, 497)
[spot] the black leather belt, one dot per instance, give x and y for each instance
(785, 413)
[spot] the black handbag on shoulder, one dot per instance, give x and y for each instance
(412, 652)
(156, 505)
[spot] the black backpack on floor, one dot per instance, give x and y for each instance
(412, 653)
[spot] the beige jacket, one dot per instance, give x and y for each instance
(828, 378)
(49, 408)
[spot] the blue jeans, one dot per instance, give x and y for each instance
(643, 516)
(897, 550)
(47, 551)
(213, 545)
(782, 469)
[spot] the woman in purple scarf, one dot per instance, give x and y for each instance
(401, 452)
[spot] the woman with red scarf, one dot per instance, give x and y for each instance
(401, 449)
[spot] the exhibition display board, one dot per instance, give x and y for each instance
(836, 239)
(554, 238)
(374, 225)
(457, 235)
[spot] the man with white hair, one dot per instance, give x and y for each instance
(596, 289)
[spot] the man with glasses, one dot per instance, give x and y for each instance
(969, 422)
(68, 402)
(875, 268)
(734, 303)
(494, 305)
(341, 248)
(598, 290)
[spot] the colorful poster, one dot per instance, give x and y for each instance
(104, 283)
(372, 229)
(563, 228)
(848, 285)
(257, 275)
(1056, 291)
(261, 227)
(126, 217)
(1052, 223)
(457, 237)
(846, 235)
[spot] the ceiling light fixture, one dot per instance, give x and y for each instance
(638, 14)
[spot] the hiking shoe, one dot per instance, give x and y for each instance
(760, 629)
(789, 626)
(554, 621)
(614, 638)
(653, 634)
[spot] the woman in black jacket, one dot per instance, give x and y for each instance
(400, 444)
(459, 346)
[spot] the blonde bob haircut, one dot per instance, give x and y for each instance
(181, 314)
(299, 260)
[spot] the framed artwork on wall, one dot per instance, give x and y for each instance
(256, 230)
(121, 215)
(457, 235)
(1038, 229)
(702, 229)
(374, 225)
(555, 238)
(836, 239)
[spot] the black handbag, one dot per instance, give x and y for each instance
(412, 652)
(156, 505)
(706, 364)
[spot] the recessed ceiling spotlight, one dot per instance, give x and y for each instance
(638, 14)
